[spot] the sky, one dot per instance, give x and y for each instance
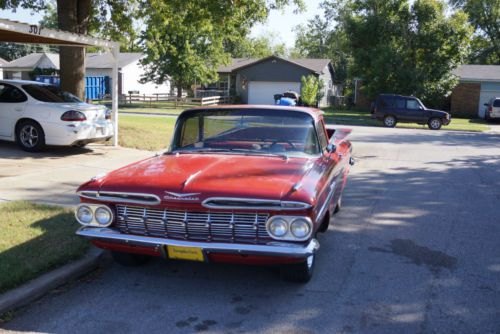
(279, 23)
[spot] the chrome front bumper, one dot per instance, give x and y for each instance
(274, 248)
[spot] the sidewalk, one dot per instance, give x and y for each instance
(52, 176)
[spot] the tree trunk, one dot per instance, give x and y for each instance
(73, 16)
(178, 84)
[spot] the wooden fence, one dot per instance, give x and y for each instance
(204, 101)
(212, 100)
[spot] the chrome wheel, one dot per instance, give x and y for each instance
(435, 124)
(29, 136)
(390, 121)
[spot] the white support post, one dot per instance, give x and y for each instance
(114, 91)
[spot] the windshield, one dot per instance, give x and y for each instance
(244, 131)
(49, 93)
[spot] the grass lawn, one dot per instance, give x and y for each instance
(356, 117)
(35, 239)
(146, 132)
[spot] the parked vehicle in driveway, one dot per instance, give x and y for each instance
(391, 109)
(35, 114)
(492, 111)
(240, 184)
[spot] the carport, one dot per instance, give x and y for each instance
(23, 33)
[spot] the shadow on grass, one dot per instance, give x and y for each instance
(56, 246)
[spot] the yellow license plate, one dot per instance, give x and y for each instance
(185, 253)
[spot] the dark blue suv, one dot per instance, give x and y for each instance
(391, 109)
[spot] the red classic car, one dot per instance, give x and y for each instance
(239, 184)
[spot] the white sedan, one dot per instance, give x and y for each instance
(35, 114)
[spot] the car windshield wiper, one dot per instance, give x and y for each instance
(281, 155)
(229, 150)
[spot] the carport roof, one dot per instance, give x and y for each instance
(478, 72)
(17, 32)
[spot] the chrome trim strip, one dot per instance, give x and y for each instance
(272, 248)
(107, 196)
(272, 204)
(322, 211)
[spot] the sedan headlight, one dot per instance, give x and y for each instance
(84, 215)
(278, 227)
(300, 228)
(291, 228)
(94, 215)
(103, 215)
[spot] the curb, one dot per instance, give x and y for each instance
(38, 287)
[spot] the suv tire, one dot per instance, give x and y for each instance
(390, 121)
(435, 123)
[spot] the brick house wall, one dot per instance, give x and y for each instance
(465, 99)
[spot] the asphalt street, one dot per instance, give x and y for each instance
(415, 249)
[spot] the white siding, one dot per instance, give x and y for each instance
(132, 73)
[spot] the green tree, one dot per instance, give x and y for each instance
(186, 40)
(256, 47)
(402, 48)
(484, 15)
(319, 39)
(310, 90)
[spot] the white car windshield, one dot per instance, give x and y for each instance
(247, 131)
(49, 93)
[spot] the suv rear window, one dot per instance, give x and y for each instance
(49, 93)
(496, 103)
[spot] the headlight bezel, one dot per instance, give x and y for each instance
(93, 208)
(289, 236)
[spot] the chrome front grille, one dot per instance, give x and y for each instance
(188, 225)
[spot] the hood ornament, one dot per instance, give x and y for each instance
(169, 195)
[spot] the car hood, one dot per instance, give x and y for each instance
(437, 112)
(208, 175)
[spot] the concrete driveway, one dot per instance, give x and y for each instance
(415, 249)
(53, 176)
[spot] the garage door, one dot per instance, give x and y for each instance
(488, 91)
(262, 92)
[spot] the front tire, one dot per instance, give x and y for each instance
(130, 260)
(435, 123)
(299, 272)
(390, 121)
(338, 206)
(30, 136)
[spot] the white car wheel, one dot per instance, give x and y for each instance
(30, 136)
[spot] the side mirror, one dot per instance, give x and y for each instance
(331, 148)
(486, 105)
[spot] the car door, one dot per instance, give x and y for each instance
(12, 104)
(415, 112)
(399, 108)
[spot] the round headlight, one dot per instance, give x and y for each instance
(84, 215)
(278, 227)
(103, 215)
(300, 228)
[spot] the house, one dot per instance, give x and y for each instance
(477, 85)
(255, 81)
(2, 62)
(96, 64)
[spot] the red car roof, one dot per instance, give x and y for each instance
(314, 112)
